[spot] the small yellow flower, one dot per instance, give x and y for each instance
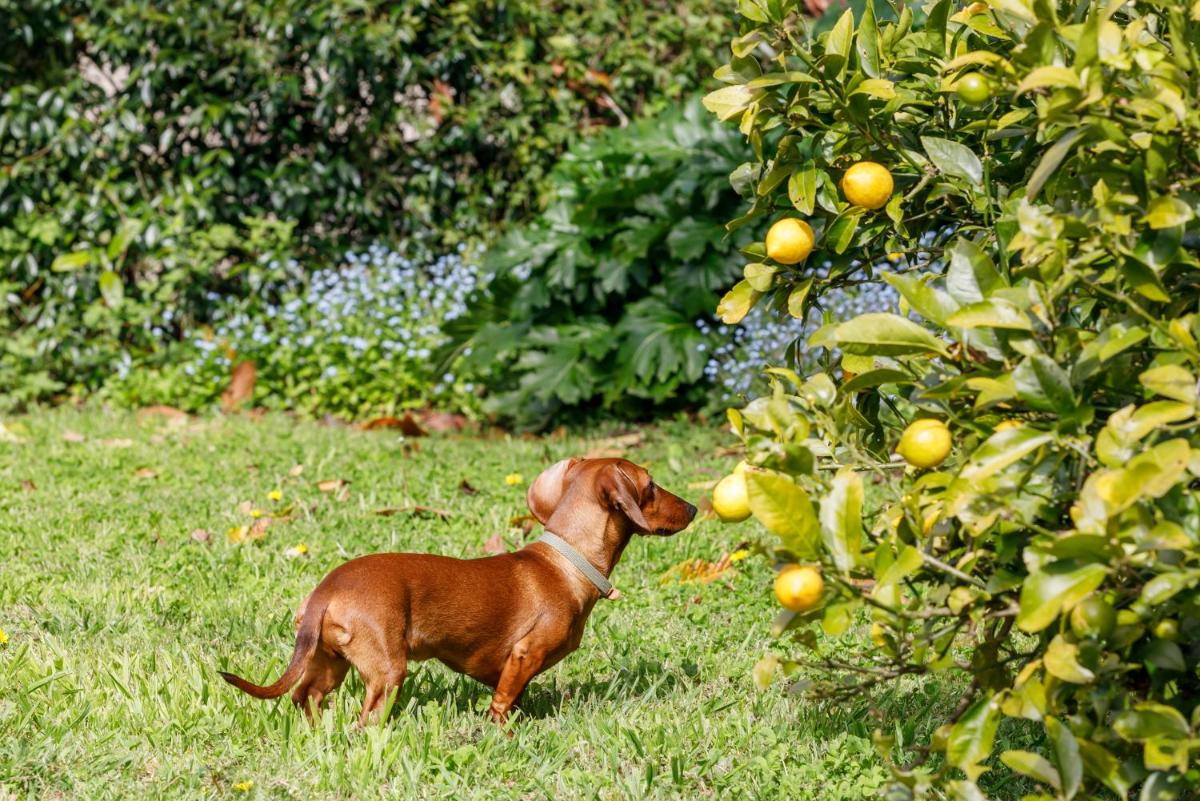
(3, 637)
(244, 787)
(894, 256)
(275, 495)
(512, 479)
(257, 513)
(300, 549)
(236, 534)
(738, 556)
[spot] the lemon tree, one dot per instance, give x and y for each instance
(1026, 174)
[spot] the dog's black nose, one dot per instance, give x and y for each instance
(691, 511)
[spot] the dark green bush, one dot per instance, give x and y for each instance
(602, 301)
(151, 153)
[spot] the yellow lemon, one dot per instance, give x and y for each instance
(799, 587)
(868, 185)
(789, 241)
(1004, 425)
(730, 500)
(877, 636)
(925, 443)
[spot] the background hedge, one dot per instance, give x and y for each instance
(152, 155)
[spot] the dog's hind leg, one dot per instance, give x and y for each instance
(380, 655)
(324, 675)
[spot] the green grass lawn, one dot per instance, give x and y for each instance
(118, 620)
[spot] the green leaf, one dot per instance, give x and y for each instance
(1054, 588)
(841, 233)
(1167, 212)
(1035, 766)
(1049, 76)
(954, 159)
(802, 188)
(838, 41)
(111, 288)
(1171, 381)
(796, 298)
(1149, 720)
(883, 334)
(784, 509)
(760, 275)
(970, 740)
(1066, 754)
(1164, 654)
(992, 313)
(75, 260)
(1062, 662)
(934, 304)
(1044, 385)
(972, 276)
(1165, 586)
(907, 562)
(841, 519)
(737, 303)
(880, 88)
(876, 378)
(1002, 449)
(1104, 767)
(729, 101)
(867, 41)
(1050, 160)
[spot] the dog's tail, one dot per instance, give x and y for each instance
(306, 644)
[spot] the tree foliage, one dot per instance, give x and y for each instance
(1044, 242)
(153, 152)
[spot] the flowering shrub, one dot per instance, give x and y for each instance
(354, 340)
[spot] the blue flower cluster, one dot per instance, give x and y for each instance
(763, 336)
(353, 338)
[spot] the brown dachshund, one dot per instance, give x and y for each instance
(502, 619)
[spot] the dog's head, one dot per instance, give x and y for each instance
(620, 486)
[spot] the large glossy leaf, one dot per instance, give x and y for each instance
(1171, 381)
(954, 159)
(882, 334)
(730, 101)
(971, 738)
(1044, 385)
(737, 303)
(1056, 587)
(1002, 449)
(1062, 662)
(866, 43)
(1066, 755)
(784, 509)
(841, 519)
(992, 313)
(935, 305)
(1035, 766)
(971, 277)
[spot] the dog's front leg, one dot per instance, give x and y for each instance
(522, 665)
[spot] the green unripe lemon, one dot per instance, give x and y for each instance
(1093, 617)
(1167, 629)
(973, 89)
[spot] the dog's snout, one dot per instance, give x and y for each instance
(691, 511)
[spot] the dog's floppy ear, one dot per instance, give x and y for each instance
(547, 490)
(622, 495)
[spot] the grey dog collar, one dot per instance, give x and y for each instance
(576, 558)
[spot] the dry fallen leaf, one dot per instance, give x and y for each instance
(73, 436)
(245, 508)
(117, 443)
(705, 507)
(495, 545)
(200, 535)
(466, 489)
(443, 421)
(28, 485)
(388, 511)
(701, 571)
(736, 450)
(296, 470)
(332, 484)
(523, 522)
(166, 412)
(703, 484)
(406, 425)
(241, 386)
(146, 472)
